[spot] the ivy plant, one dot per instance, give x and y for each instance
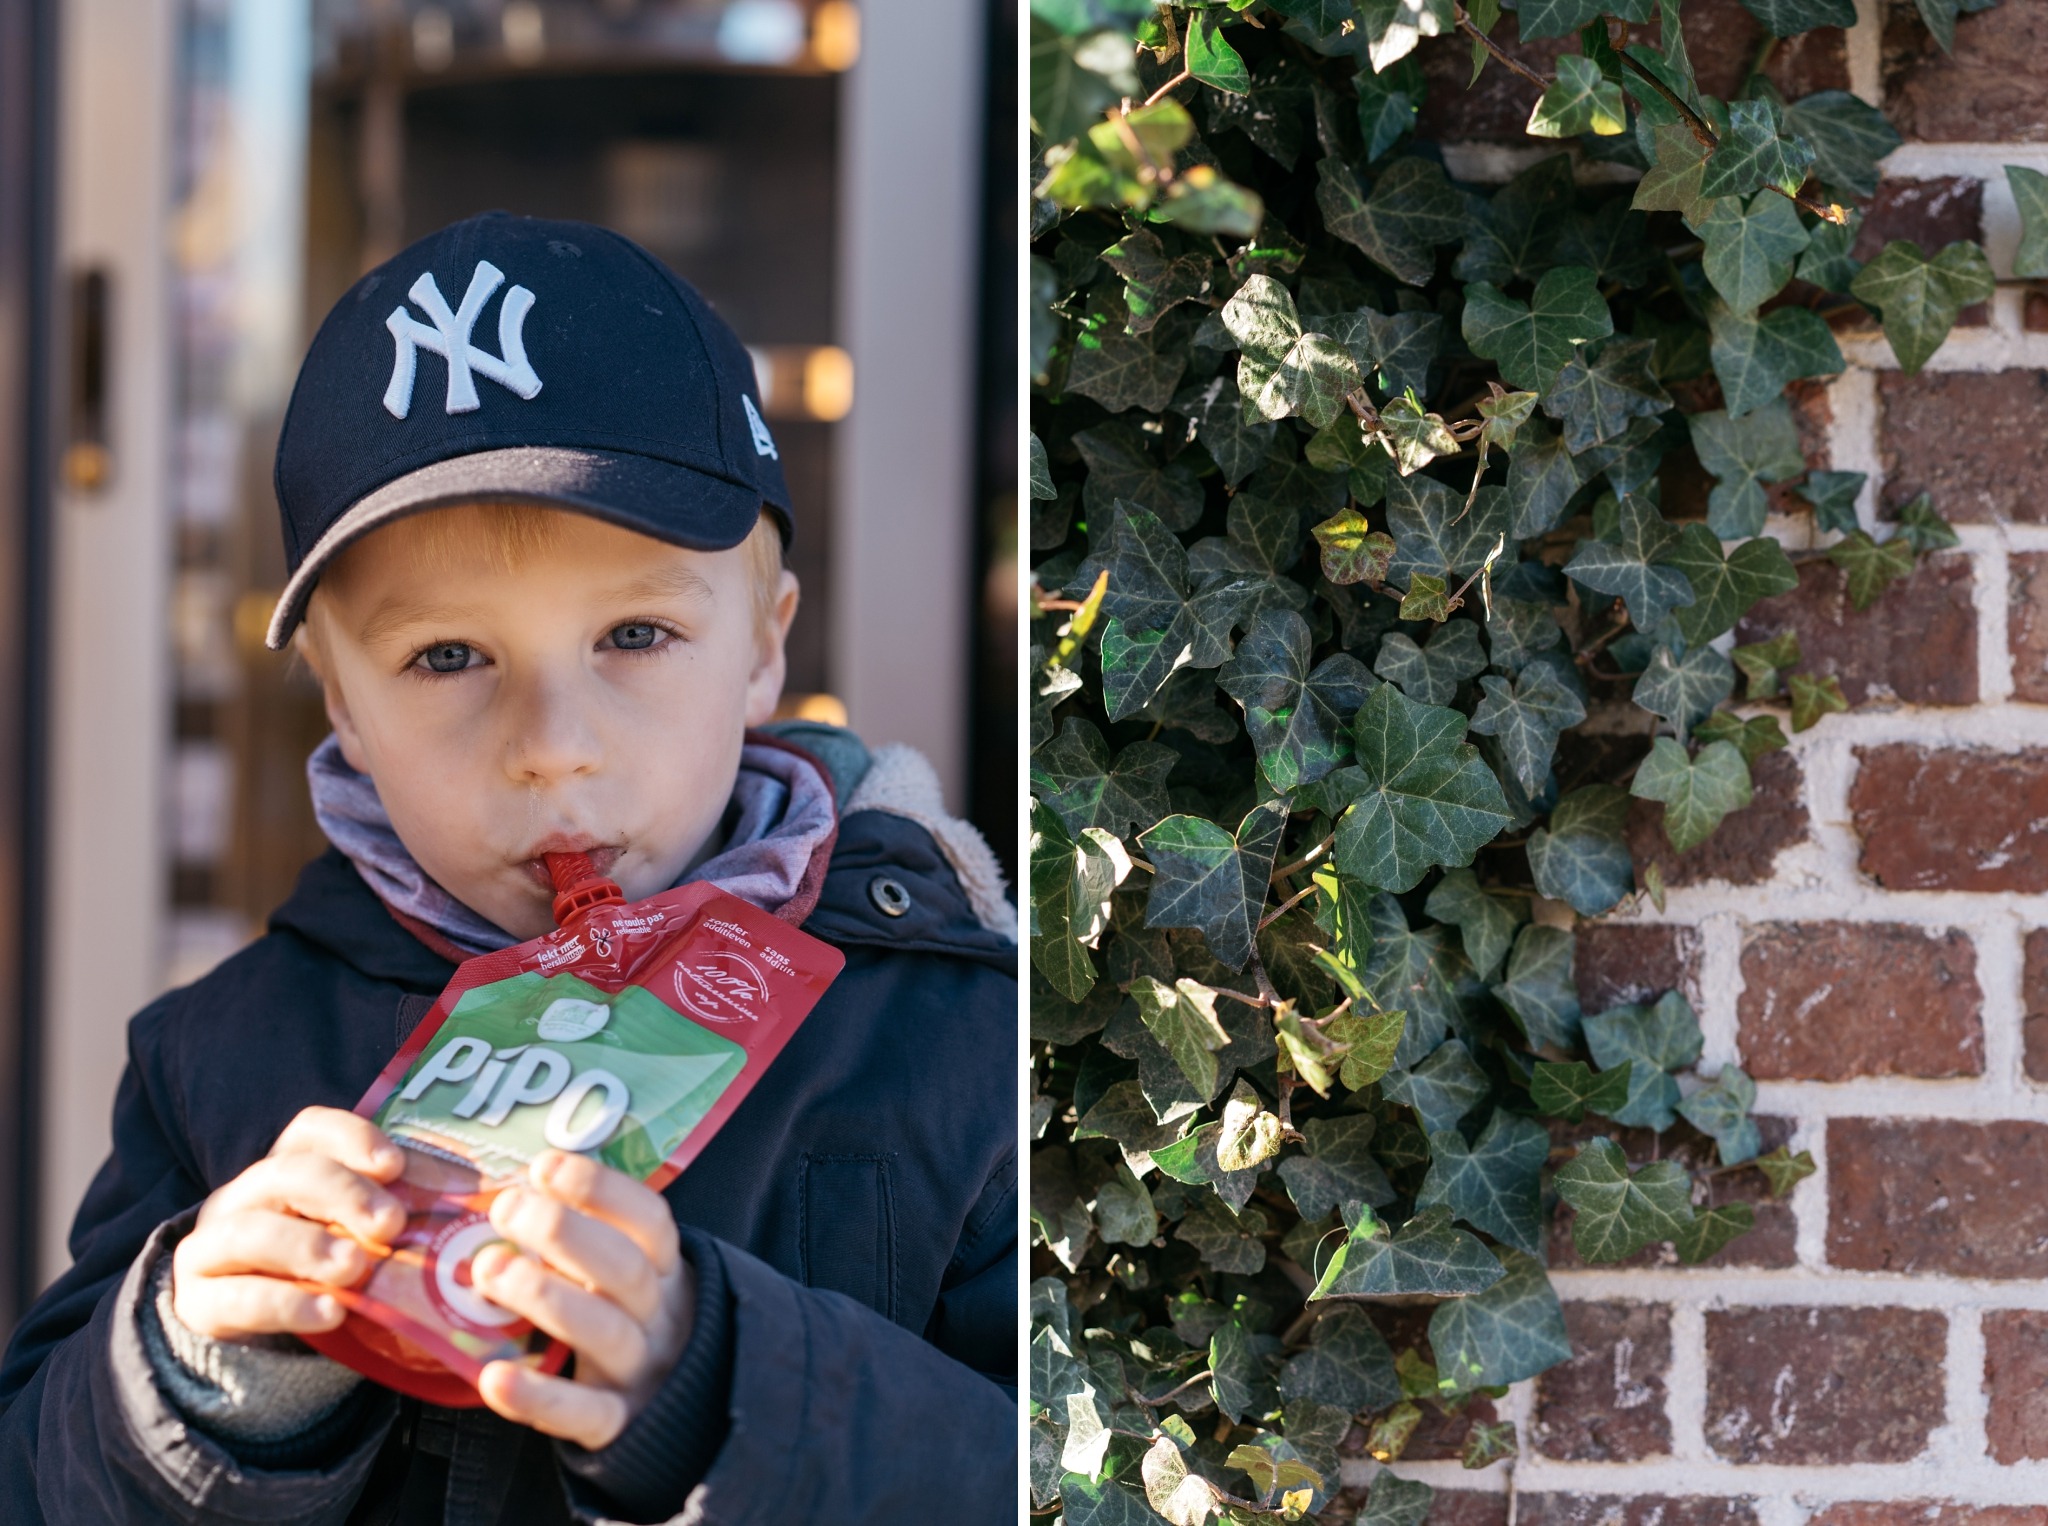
(1390, 537)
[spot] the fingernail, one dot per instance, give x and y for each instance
(387, 1158)
(545, 1166)
(328, 1309)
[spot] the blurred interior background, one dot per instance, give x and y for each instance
(185, 188)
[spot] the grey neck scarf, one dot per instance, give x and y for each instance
(780, 816)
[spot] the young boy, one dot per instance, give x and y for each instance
(547, 604)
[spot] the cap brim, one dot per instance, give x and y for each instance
(658, 498)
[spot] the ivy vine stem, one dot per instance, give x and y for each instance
(1511, 64)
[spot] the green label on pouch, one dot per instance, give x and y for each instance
(549, 1061)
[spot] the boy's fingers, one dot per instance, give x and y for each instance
(603, 1334)
(315, 1187)
(260, 1240)
(225, 1307)
(615, 1197)
(352, 1140)
(590, 1417)
(585, 1248)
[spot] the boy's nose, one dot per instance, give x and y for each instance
(549, 732)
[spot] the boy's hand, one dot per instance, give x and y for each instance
(228, 1276)
(603, 1272)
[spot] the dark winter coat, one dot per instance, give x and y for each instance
(853, 1231)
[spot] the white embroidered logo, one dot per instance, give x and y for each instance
(764, 442)
(449, 338)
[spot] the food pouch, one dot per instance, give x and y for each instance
(628, 1034)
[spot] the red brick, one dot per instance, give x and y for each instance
(1633, 1510)
(1916, 645)
(1993, 88)
(1971, 439)
(1927, 1513)
(1744, 848)
(1933, 213)
(1617, 962)
(1952, 819)
(1833, 1385)
(1607, 1403)
(2026, 625)
(1824, 1001)
(1937, 1195)
(1770, 1242)
(2016, 1380)
(2034, 310)
(2034, 992)
(1466, 1507)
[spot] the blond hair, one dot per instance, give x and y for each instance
(513, 533)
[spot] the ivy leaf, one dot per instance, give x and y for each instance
(1726, 587)
(1427, 598)
(1511, 1331)
(1202, 201)
(1595, 396)
(1744, 454)
(1486, 923)
(1539, 989)
(1697, 792)
(1296, 717)
(1919, 298)
(1653, 1040)
(1527, 716)
(1404, 345)
(1788, 18)
(1442, 1089)
(1136, 667)
(2030, 194)
(1282, 371)
(1416, 436)
(1494, 1184)
(1211, 59)
(1871, 565)
(1147, 567)
(1432, 674)
(1784, 1170)
(1752, 738)
(1087, 1502)
(1072, 879)
(1755, 357)
(1154, 283)
(1121, 370)
(1722, 1110)
(1512, 236)
(1814, 697)
(1411, 210)
(1426, 1255)
(1336, 1167)
(1041, 472)
(1387, 106)
(1569, 1090)
(1752, 154)
(1250, 1135)
(1672, 183)
(1618, 1212)
(1750, 249)
(1419, 796)
(1924, 529)
(1270, 1473)
(1420, 968)
(1581, 99)
(1066, 95)
(1532, 341)
(1396, 1501)
(1560, 18)
(1393, 27)
(1582, 857)
(1074, 775)
(1352, 551)
(1344, 446)
(1628, 561)
(1123, 1114)
(1848, 137)
(1212, 880)
(1372, 1040)
(1217, 412)
(1182, 1017)
(1833, 496)
(1487, 1444)
(1830, 261)
(1123, 1210)
(1347, 1365)
(1225, 1240)
(1430, 537)
(1712, 1228)
(1543, 475)
(1120, 468)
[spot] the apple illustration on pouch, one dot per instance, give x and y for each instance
(571, 1018)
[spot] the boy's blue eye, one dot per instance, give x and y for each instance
(635, 637)
(448, 656)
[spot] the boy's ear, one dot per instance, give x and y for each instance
(771, 665)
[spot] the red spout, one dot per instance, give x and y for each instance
(579, 888)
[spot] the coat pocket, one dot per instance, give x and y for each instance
(847, 1229)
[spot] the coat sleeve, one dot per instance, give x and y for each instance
(87, 1433)
(793, 1403)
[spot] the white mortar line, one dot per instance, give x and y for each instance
(1863, 45)
(1852, 436)
(1793, 1287)
(1991, 589)
(1965, 349)
(1968, 1404)
(1685, 1384)
(1720, 990)
(1927, 1477)
(2001, 977)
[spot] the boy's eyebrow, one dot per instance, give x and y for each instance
(672, 581)
(396, 614)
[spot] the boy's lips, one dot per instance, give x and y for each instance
(602, 857)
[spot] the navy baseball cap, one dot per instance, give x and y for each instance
(532, 361)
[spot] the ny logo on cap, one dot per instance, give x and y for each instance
(449, 338)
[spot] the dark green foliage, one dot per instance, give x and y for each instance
(1367, 609)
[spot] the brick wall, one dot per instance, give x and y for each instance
(1870, 941)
